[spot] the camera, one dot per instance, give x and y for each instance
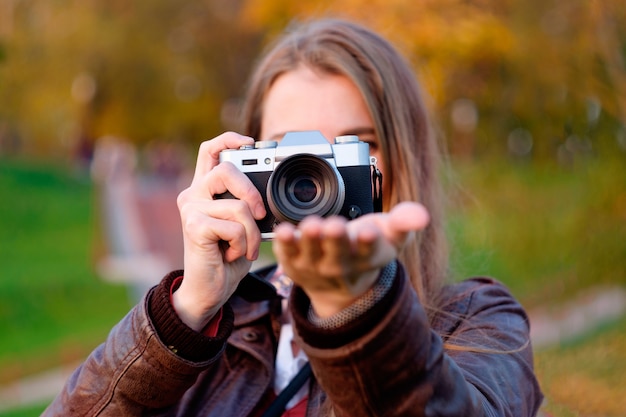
(304, 174)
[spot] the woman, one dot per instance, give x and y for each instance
(370, 311)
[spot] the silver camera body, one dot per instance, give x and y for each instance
(304, 174)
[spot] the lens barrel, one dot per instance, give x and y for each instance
(305, 184)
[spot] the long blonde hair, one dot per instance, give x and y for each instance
(401, 123)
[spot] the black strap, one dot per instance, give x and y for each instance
(377, 182)
(277, 407)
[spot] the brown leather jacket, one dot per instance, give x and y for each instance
(389, 362)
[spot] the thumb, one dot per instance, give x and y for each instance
(408, 216)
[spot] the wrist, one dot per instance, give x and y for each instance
(329, 303)
(331, 334)
(176, 335)
(191, 309)
(362, 305)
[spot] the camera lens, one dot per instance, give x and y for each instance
(302, 185)
(304, 190)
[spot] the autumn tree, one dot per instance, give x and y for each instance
(142, 70)
(533, 79)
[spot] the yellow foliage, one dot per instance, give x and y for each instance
(536, 60)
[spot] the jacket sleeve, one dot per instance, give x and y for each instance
(136, 369)
(390, 362)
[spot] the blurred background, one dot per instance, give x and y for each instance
(103, 105)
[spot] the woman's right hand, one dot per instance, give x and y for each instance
(221, 238)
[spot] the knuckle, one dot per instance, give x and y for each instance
(204, 146)
(193, 223)
(239, 208)
(239, 230)
(183, 198)
(212, 146)
(208, 147)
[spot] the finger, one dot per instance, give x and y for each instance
(401, 223)
(238, 212)
(205, 232)
(408, 216)
(285, 245)
(234, 237)
(335, 244)
(364, 242)
(310, 235)
(226, 177)
(209, 152)
(228, 220)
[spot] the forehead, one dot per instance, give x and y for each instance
(304, 99)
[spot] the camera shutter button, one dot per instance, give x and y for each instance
(347, 139)
(265, 144)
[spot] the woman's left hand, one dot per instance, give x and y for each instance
(335, 260)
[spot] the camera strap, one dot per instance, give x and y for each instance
(277, 408)
(377, 186)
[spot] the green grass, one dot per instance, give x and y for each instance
(54, 308)
(29, 411)
(547, 232)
